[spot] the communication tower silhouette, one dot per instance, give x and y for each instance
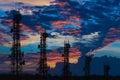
(66, 68)
(87, 65)
(43, 67)
(16, 56)
(106, 71)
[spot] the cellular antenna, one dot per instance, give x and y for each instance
(66, 69)
(17, 57)
(87, 65)
(43, 67)
(106, 70)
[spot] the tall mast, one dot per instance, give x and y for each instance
(43, 67)
(66, 68)
(16, 55)
(106, 71)
(87, 65)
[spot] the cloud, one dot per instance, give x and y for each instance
(59, 39)
(90, 38)
(61, 23)
(52, 43)
(112, 35)
(53, 57)
(112, 50)
(35, 2)
(30, 41)
(32, 38)
(32, 59)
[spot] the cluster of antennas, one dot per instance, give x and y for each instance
(17, 57)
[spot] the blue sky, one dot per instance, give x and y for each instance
(112, 50)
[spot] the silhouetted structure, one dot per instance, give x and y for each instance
(43, 67)
(87, 65)
(106, 71)
(16, 55)
(66, 68)
(34, 77)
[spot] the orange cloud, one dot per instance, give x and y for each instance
(7, 22)
(75, 18)
(112, 35)
(35, 2)
(53, 57)
(23, 27)
(33, 59)
(60, 24)
(40, 29)
(72, 31)
(62, 4)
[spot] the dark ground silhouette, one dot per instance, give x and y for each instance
(37, 77)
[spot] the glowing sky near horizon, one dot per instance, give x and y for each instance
(35, 2)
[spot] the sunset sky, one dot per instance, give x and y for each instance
(35, 2)
(89, 28)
